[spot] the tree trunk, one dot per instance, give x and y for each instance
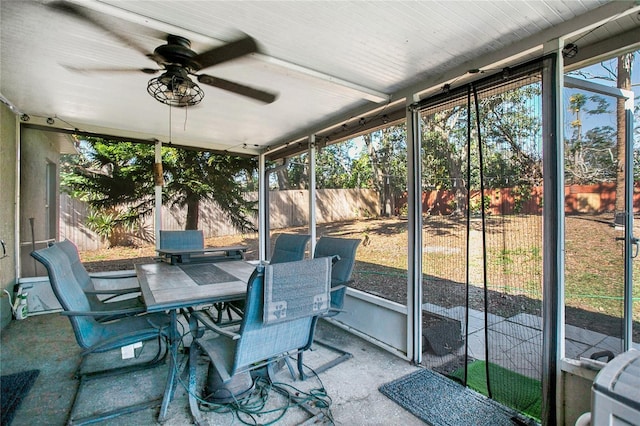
(283, 179)
(193, 213)
(624, 82)
(378, 173)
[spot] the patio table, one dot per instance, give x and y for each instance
(167, 287)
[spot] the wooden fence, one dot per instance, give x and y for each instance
(598, 198)
(286, 209)
(291, 208)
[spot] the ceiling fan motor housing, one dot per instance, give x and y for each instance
(177, 51)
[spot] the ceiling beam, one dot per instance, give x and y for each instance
(364, 92)
(57, 124)
(615, 46)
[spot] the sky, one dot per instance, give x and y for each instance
(591, 121)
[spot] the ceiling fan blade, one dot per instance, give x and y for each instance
(81, 13)
(227, 52)
(109, 69)
(237, 88)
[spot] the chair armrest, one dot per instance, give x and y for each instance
(127, 338)
(215, 328)
(114, 284)
(338, 287)
(114, 276)
(114, 291)
(339, 284)
(118, 312)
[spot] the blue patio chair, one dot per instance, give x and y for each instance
(191, 239)
(97, 337)
(101, 298)
(343, 253)
(267, 332)
(289, 248)
(345, 250)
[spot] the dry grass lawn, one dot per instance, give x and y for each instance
(594, 268)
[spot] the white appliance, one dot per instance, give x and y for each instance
(615, 395)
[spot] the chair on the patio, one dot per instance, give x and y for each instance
(191, 239)
(281, 308)
(289, 248)
(98, 337)
(101, 297)
(343, 253)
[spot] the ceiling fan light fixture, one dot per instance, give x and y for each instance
(175, 88)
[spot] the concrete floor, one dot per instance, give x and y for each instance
(46, 342)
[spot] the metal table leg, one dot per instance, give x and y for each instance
(173, 356)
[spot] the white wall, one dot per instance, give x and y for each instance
(7, 207)
(37, 149)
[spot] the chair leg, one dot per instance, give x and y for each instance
(221, 308)
(106, 415)
(301, 366)
(111, 414)
(193, 402)
(344, 355)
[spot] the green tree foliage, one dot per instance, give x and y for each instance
(616, 72)
(193, 176)
(512, 135)
(116, 179)
(510, 130)
(333, 166)
(444, 154)
(590, 157)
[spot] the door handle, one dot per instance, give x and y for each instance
(634, 241)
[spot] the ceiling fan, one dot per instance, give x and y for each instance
(178, 62)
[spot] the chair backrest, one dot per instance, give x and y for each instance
(341, 271)
(191, 239)
(71, 251)
(262, 341)
(289, 248)
(69, 292)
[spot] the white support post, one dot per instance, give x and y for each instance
(17, 238)
(630, 240)
(263, 208)
(312, 192)
(553, 234)
(414, 273)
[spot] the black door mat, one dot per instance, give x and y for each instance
(439, 401)
(13, 389)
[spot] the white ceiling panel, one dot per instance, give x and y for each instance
(326, 60)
